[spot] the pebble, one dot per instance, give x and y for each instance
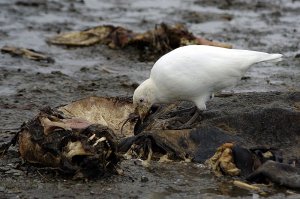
(14, 172)
(4, 168)
(2, 189)
(144, 179)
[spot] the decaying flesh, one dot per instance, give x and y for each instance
(73, 146)
(248, 136)
(161, 39)
(92, 125)
(280, 173)
(223, 162)
(110, 112)
(161, 145)
(234, 160)
(79, 138)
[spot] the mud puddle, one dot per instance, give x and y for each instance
(26, 85)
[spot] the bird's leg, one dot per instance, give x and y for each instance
(200, 107)
(180, 111)
(195, 116)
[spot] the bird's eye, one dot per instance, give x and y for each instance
(141, 100)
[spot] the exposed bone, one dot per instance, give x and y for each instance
(128, 154)
(65, 143)
(120, 171)
(164, 158)
(75, 148)
(141, 153)
(109, 152)
(268, 154)
(244, 185)
(187, 160)
(131, 152)
(92, 137)
(99, 140)
(146, 163)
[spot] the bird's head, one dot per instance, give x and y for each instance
(144, 98)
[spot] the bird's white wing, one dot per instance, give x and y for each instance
(193, 70)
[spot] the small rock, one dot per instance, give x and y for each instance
(245, 78)
(59, 73)
(2, 189)
(15, 160)
(144, 179)
(14, 172)
(4, 169)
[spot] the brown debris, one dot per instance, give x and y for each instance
(161, 39)
(165, 38)
(27, 53)
(107, 34)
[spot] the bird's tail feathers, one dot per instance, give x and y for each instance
(270, 58)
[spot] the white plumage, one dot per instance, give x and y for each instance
(193, 73)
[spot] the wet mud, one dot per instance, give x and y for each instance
(79, 72)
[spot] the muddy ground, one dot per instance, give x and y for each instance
(26, 85)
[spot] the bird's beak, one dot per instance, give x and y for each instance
(142, 111)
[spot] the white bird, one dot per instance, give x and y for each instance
(193, 73)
